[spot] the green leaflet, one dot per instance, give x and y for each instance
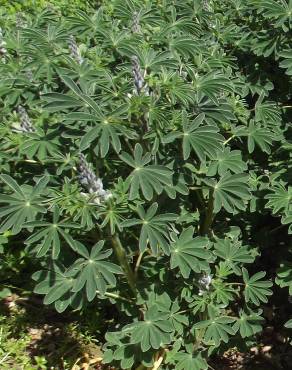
(267, 112)
(217, 329)
(211, 84)
(41, 145)
(23, 205)
(280, 198)
(248, 323)
(284, 276)
(51, 234)
(231, 192)
(55, 282)
(202, 139)
(155, 228)
(226, 161)
(188, 361)
(189, 253)
(153, 332)
(256, 290)
(280, 12)
(145, 178)
(287, 61)
(233, 253)
(92, 272)
(258, 135)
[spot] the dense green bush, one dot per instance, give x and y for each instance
(34, 6)
(145, 148)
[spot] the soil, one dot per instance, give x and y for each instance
(50, 337)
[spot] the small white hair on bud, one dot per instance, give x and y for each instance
(74, 50)
(91, 183)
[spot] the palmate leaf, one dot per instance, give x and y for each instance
(145, 178)
(280, 199)
(215, 113)
(226, 161)
(189, 253)
(154, 230)
(288, 324)
(204, 140)
(211, 85)
(107, 130)
(178, 320)
(233, 253)
(231, 192)
(287, 220)
(50, 235)
(153, 61)
(200, 304)
(287, 62)
(107, 134)
(280, 11)
(248, 323)
(56, 282)
(93, 271)
(60, 102)
(264, 45)
(284, 276)
(112, 215)
(177, 89)
(218, 329)
(127, 354)
(76, 205)
(22, 205)
(190, 361)
(222, 293)
(154, 332)
(41, 146)
(256, 290)
(165, 304)
(267, 112)
(260, 136)
(184, 45)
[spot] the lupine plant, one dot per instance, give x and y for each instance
(143, 144)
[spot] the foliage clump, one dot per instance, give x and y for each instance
(142, 142)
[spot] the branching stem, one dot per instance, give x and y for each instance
(122, 258)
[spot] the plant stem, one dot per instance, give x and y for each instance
(229, 139)
(158, 362)
(115, 296)
(122, 258)
(209, 215)
(138, 263)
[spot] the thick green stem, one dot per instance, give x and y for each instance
(209, 215)
(122, 258)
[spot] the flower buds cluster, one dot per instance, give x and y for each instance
(139, 80)
(207, 6)
(204, 283)
(135, 23)
(19, 20)
(3, 50)
(25, 122)
(73, 47)
(91, 182)
(29, 75)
